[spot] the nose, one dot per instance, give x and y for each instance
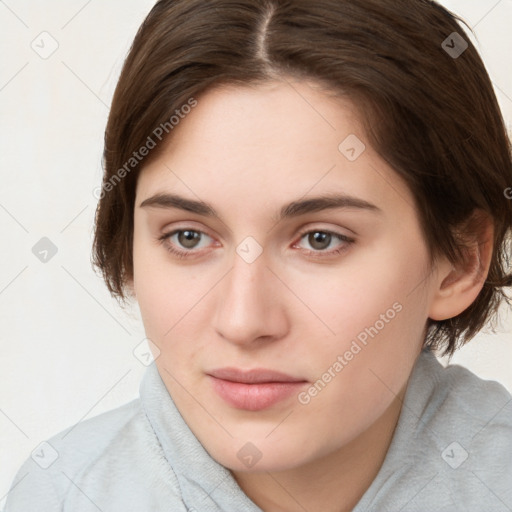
(249, 307)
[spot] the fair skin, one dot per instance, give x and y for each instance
(248, 152)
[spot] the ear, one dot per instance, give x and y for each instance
(456, 288)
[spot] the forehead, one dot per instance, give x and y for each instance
(265, 144)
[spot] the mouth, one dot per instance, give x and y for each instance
(254, 390)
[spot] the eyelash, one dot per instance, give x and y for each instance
(316, 254)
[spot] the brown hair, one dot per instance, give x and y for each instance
(429, 112)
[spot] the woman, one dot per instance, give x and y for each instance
(305, 199)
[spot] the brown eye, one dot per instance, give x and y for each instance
(319, 240)
(188, 239)
(184, 243)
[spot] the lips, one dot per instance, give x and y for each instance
(254, 390)
(254, 376)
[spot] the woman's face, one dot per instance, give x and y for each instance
(273, 276)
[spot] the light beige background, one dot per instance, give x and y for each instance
(66, 349)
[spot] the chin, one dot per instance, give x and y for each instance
(260, 455)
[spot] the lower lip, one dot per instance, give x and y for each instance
(254, 397)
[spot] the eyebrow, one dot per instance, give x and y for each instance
(290, 210)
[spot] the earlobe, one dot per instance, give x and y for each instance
(457, 287)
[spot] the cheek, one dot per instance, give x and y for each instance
(173, 304)
(376, 314)
(157, 287)
(364, 290)
(358, 373)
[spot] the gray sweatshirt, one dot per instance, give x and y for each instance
(451, 451)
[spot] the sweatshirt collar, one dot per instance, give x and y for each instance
(205, 485)
(407, 446)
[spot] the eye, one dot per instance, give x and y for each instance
(186, 238)
(320, 240)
